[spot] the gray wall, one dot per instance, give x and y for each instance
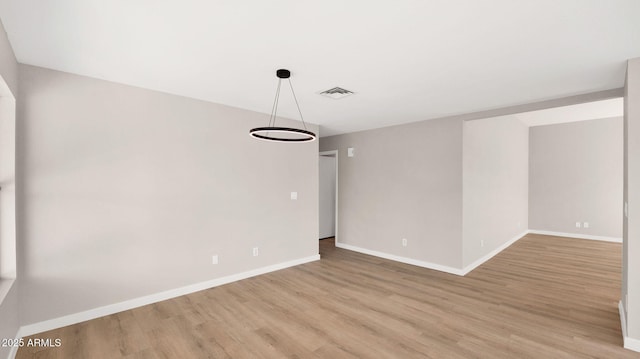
(327, 197)
(495, 184)
(576, 175)
(129, 192)
(9, 320)
(403, 182)
(631, 244)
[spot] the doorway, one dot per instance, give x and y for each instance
(328, 195)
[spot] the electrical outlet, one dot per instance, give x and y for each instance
(214, 259)
(255, 251)
(481, 243)
(585, 225)
(578, 225)
(294, 195)
(404, 242)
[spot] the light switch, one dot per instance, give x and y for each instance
(350, 152)
(294, 195)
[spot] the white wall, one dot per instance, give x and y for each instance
(129, 192)
(576, 175)
(495, 184)
(444, 185)
(9, 319)
(327, 199)
(403, 182)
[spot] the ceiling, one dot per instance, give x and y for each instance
(405, 60)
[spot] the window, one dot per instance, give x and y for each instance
(7, 189)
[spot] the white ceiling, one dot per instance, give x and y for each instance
(406, 60)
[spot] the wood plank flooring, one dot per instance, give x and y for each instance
(543, 297)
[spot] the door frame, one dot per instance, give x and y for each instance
(333, 153)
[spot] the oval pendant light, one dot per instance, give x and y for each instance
(282, 134)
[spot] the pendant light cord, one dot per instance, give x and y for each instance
(297, 105)
(274, 109)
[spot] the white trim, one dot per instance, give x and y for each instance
(577, 235)
(491, 254)
(415, 262)
(335, 229)
(70, 319)
(629, 343)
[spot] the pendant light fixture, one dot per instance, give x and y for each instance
(283, 134)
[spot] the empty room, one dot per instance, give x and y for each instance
(286, 179)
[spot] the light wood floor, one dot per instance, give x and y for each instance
(543, 297)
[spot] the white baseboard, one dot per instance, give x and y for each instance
(415, 262)
(46, 325)
(632, 344)
(438, 267)
(491, 254)
(623, 319)
(577, 235)
(14, 350)
(466, 270)
(629, 343)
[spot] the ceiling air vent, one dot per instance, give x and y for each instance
(336, 93)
